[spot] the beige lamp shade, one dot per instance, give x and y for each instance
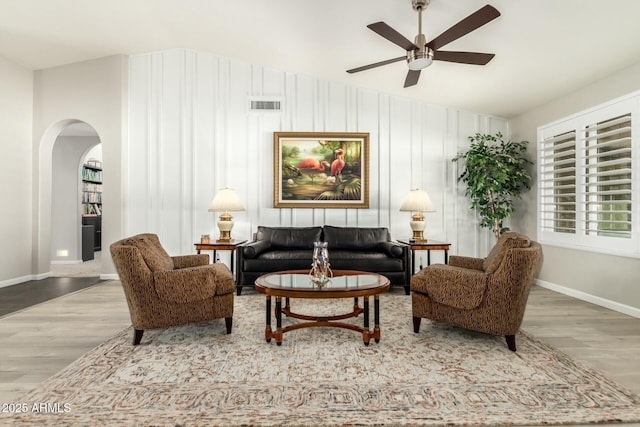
(224, 201)
(418, 201)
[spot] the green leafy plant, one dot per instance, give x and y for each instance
(495, 173)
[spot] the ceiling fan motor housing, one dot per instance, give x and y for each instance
(422, 57)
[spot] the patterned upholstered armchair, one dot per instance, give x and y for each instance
(486, 295)
(165, 291)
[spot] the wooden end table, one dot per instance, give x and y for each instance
(426, 245)
(215, 247)
(344, 284)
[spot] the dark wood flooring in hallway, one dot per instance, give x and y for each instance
(17, 297)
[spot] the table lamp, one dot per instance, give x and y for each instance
(225, 200)
(417, 201)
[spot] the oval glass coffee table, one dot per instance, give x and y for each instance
(343, 284)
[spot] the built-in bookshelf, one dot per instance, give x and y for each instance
(92, 188)
(92, 204)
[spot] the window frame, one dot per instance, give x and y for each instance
(579, 123)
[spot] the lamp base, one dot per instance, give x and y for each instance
(417, 226)
(225, 225)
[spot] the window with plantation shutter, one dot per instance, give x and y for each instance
(588, 170)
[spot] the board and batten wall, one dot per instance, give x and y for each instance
(191, 132)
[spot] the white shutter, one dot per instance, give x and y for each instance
(588, 171)
(608, 177)
(558, 183)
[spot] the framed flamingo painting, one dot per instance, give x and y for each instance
(321, 170)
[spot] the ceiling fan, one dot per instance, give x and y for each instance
(421, 54)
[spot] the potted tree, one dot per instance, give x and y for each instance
(495, 174)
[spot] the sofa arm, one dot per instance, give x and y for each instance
(253, 249)
(392, 249)
(185, 285)
(456, 287)
(466, 262)
(185, 261)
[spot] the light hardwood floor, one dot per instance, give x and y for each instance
(39, 341)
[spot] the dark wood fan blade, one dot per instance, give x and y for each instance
(474, 58)
(467, 25)
(412, 78)
(392, 35)
(377, 64)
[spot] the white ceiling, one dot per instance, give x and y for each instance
(544, 48)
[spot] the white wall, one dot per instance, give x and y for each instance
(190, 133)
(16, 105)
(93, 92)
(66, 219)
(607, 280)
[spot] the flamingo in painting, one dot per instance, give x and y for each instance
(313, 167)
(338, 164)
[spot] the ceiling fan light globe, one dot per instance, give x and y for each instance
(419, 63)
(419, 59)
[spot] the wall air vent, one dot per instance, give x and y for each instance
(265, 105)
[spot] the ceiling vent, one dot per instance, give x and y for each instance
(265, 105)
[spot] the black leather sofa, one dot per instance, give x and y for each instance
(350, 248)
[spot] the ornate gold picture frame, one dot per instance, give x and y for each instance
(321, 170)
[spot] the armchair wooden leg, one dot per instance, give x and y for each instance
(137, 336)
(416, 324)
(228, 321)
(511, 342)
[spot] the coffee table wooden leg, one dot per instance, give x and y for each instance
(279, 320)
(267, 331)
(355, 304)
(376, 318)
(366, 333)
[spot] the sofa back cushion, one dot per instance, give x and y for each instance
(290, 237)
(508, 240)
(354, 238)
(154, 255)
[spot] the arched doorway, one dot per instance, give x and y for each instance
(63, 150)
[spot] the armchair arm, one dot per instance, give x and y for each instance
(185, 285)
(253, 249)
(456, 287)
(392, 249)
(184, 261)
(466, 262)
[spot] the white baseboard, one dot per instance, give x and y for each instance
(67, 261)
(110, 276)
(612, 305)
(17, 280)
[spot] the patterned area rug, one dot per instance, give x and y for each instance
(198, 375)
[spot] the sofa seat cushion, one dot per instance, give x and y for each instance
(364, 261)
(280, 260)
(339, 260)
